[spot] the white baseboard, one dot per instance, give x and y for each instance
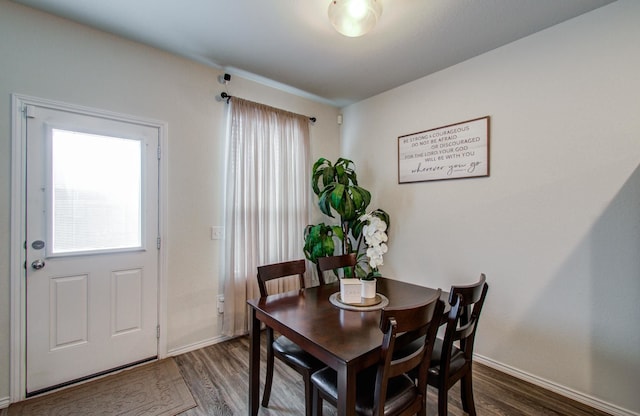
(556, 388)
(197, 345)
(4, 402)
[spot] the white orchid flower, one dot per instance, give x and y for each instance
(374, 232)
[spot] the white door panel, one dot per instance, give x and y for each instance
(92, 257)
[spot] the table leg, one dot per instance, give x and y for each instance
(346, 391)
(254, 365)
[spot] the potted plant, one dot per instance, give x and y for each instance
(339, 194)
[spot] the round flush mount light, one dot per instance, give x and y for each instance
(354, 18)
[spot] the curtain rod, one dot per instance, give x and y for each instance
(228, 97)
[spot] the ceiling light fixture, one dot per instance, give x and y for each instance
(354, 18)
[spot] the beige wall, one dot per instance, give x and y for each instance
(47, 57)
(556, 227)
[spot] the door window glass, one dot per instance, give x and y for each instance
(95, 197)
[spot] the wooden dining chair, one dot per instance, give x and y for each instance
(451, 363)
(281, 347)
(386, 388)
(327, 263)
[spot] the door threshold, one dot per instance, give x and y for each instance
(89, 377)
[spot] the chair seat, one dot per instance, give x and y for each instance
(456, 363)
(296, 355)
(401, 390)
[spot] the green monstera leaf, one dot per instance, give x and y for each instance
(337, 189)
(319, 240)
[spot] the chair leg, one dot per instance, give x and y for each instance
(269, 377)
(466, 394)
(443, 394)
(317, 402)
(308, 396)
(423, 410)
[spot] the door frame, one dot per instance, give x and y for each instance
(17, 361)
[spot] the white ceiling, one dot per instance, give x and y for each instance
(291, 44)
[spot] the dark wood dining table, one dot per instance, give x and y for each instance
(346, 340)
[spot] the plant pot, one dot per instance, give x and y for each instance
(350, 290)
(368, 288)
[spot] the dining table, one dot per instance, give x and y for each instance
(347, 339)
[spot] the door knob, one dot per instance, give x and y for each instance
(38, 264)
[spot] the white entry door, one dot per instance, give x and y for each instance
(91, 246)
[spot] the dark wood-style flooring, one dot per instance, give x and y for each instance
(218, 378)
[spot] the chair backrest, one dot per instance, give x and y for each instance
(462, 321)
(278, 270)
(334, 262)
(407, 325)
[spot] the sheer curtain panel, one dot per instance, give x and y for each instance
(267, 207)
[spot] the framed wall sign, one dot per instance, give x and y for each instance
(455, 151)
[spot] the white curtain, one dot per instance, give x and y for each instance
(267, 207)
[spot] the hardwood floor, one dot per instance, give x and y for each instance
(218, 378)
